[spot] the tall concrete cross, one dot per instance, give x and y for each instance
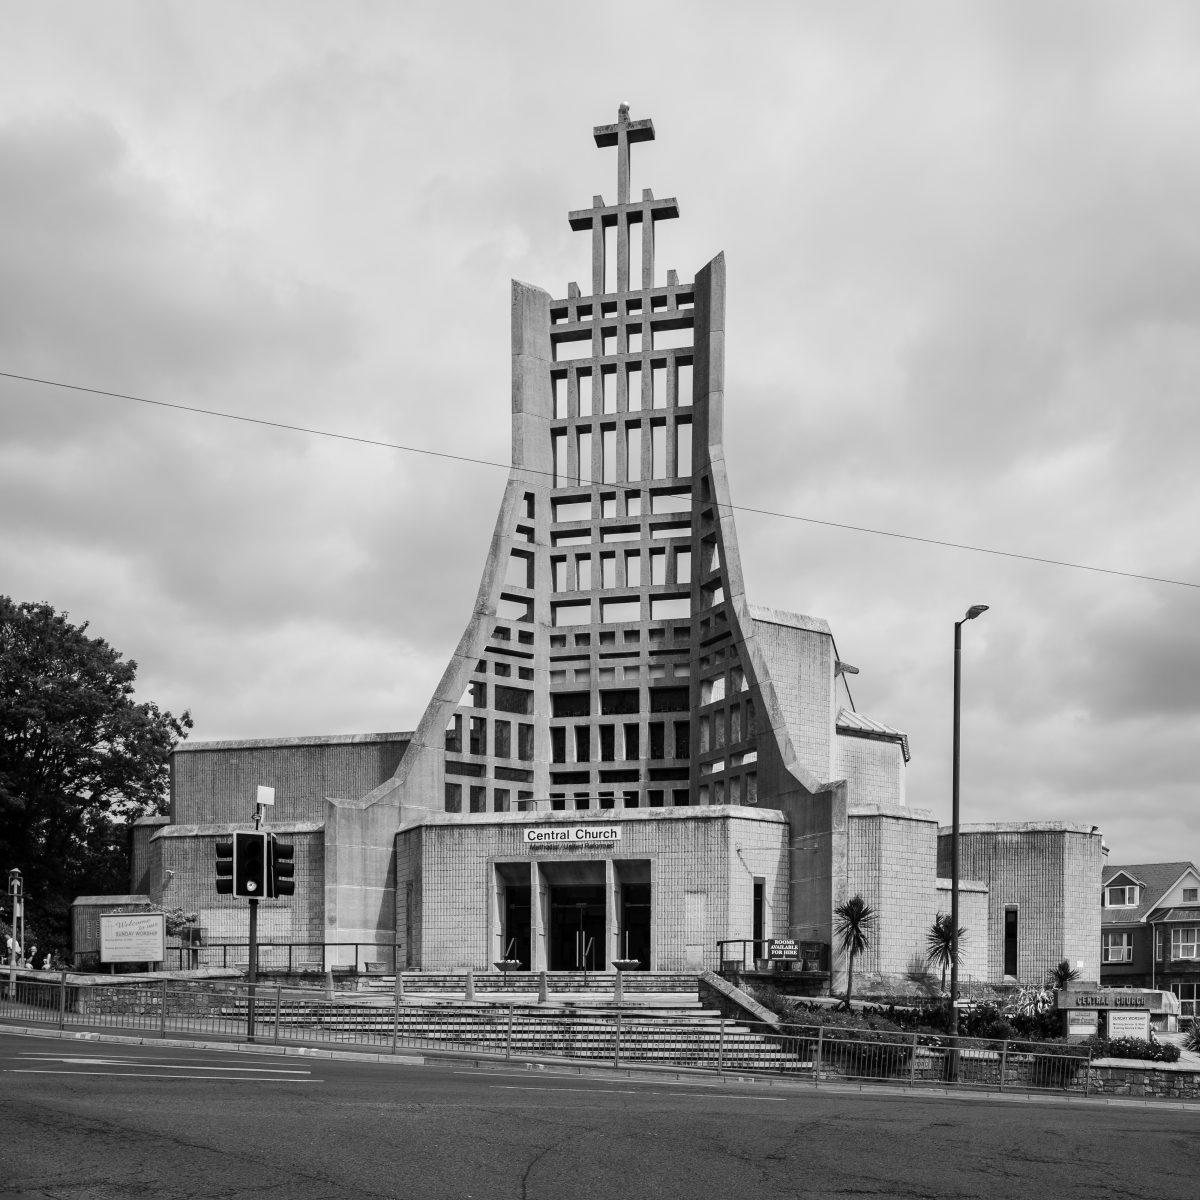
(646, 211)
(621, 135)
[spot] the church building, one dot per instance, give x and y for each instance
(626, 759)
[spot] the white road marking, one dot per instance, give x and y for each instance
(147, 1061)
(514, 1087)
(147, 1075)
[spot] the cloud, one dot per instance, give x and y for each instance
(964, 283)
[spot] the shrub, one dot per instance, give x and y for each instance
(1128, 1047)
(1191, 1037)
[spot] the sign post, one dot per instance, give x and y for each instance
(17, 941)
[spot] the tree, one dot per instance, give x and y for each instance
(1061, 975)
(855, 920)
(79, 758)
(939, 943)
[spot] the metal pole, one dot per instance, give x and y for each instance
(397, 992)
(617, 1043)
(508, 1034)
(162, 1016)
(817, 1054)
(721, 1049)
(62, 999)
(954, 826)
(278, 999)
(252, 969)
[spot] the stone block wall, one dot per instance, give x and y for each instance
(873, 769)
(892, 859)
(215, 782)
(145, 866)
(702, 869)
(798, 652)
(188, 856)
(972, 917)
(1044, 871)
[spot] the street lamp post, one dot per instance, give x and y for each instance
(974, 611)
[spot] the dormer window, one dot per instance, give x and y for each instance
(1191, 895)
(1122, 896)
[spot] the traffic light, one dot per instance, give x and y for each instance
(283, 869)
(251, 866)
(225, 868)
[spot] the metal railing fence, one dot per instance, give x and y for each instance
(821, 1054)
(294, 958)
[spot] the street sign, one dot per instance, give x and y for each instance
(266, 795)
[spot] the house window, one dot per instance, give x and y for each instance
(1117, 948)
(1121, 897)
(1189, 999)
(1191, 895)
(1185, 942)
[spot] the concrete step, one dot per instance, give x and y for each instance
(529, 981)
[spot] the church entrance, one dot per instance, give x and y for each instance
(577, 932)
(514, 907)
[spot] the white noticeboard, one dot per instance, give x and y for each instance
(1128, 1024)
(133, 937)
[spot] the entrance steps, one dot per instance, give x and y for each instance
(677, 985)
(697, 1039)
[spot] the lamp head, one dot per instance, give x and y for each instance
(976, 610)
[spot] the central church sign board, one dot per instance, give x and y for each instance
(132, 937)
(561, 837)
(1114, 999)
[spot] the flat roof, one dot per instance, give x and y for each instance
(327, 739)
(604, 816)
(780, 616)
(1023, 827)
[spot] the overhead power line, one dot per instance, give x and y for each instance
(504, 466)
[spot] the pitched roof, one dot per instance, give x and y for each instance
(1187, 912)
(858, 724)
(1155, 878)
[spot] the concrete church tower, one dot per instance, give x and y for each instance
(612, 665)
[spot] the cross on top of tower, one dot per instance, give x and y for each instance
(621, 135)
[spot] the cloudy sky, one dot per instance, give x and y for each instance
(964, 304)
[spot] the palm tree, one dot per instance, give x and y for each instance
(1061, 975)
(939, 943)
(855, 918)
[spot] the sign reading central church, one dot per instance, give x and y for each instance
(572, 835)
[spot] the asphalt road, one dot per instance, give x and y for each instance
(87, 1120)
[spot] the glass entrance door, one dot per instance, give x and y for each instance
(577, 927)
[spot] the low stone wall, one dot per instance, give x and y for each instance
(144, 999)
(1162, 1081)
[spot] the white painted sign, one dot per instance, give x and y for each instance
(572, 835)
(133, 937)
(1128, 1024)
(266, 795)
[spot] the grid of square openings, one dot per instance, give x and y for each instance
(727, 731)
(489, 739)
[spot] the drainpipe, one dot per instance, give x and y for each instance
(1153, 956)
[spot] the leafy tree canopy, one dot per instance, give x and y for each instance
(79, 758)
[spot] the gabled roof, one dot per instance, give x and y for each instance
(857, 724)
(1155, 879)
